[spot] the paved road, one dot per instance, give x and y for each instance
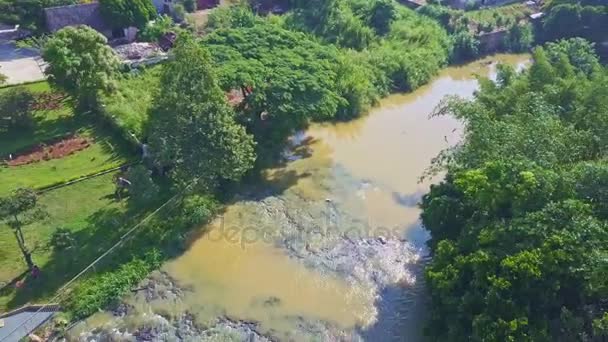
(19, 65)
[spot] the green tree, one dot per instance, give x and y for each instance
(16, 109)
(80, 63)
(17, 211)
(518, 227)
(192, 127)
(156, 29)
(142, 190)
(125, 13)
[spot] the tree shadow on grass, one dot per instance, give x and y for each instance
(111, 141)
(105, 227)
(19, 141)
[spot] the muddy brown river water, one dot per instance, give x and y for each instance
(330, 249)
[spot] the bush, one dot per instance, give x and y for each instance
(16, 109)
(197, 210)
(143, 190)
(231, 17)
(125, 13)
(519, 38)
(156, 29)
(466, 46)
(100, 290)
(179, 13)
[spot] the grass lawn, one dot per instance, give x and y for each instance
(89, 210)
(76, 208)
(105, 152)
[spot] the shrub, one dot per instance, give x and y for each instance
(156, 29)
(100, 290)
(16, 109)
(519, 38)
(197, 209)
(179, 13)
(124, 13)
(143, 190)
(466, 46)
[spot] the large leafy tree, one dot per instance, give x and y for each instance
(519, 226)
(192, 126)
(287, 78)
(125, 13)
(17, 210)
(80, 63)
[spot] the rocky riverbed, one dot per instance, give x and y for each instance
(158, 310)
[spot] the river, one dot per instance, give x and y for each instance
(330, 248)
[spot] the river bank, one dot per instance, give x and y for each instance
(331, 249)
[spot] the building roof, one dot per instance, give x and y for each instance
(73, 15)
(19, 323)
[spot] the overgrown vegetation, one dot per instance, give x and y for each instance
(125, 13)
(128, 106)
(519, 226)
(465, 28)
(565, 18)
(288, 78)
(29, 14)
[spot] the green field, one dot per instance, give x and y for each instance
(81, 208)
(106, 151)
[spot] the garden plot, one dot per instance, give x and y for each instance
(60, 147)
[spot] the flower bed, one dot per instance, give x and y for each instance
(57, 150)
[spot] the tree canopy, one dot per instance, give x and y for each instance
(125, 13)
(288, 76)
(192, 127)
(17, 210)
(80, 63)
(519, 226)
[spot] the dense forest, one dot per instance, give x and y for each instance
(519, 225)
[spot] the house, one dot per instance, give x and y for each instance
(85, 14)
